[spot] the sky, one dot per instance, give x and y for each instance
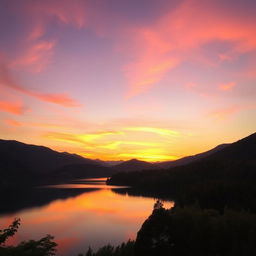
(154, 80)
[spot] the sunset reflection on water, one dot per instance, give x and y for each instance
(93, 218)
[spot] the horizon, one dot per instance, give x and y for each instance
(149, 80)
(122, 160)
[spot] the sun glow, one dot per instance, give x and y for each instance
(72, 81)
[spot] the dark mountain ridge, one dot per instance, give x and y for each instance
(225, 178)
(190, 159)
(134, 165)
(43, 158)
(22, 163)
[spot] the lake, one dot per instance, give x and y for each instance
(80, 214)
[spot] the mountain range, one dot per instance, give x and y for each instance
(24, 163)
(226, 177)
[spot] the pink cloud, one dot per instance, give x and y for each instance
(37, 31)
(225, 113)
(178, 36)
(228, 112)
(7, 80)
(227, 86)
(37, 52)
(37, 57)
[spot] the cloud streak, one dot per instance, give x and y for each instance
(13, 107)
(159, 131)
(36, 57)
(7, 80)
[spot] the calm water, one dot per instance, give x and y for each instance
(78, 215)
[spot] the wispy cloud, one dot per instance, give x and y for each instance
(12, 122)
(177, 37)
(117, 144)
(230, 111)
(159, 131)
(227, 86)
(36, 57)
(225, 113)
(8, 81)
(86, 139)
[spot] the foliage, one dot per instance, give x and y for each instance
(9, 232)
(125, 249)
(43, 247)
(193, 231)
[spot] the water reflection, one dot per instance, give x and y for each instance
(14, 201)
(95, 218)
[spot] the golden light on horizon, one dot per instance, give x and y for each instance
(71, 81)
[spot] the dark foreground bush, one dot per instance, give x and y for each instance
(125, 249)
(42, 247)
(193, 231)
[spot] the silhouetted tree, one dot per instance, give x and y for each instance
(42, 247)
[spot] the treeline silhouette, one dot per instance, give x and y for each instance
(42, 247)
(125, 249)
(214, 214)
(224, 179)
(193, 231)
(47, 247)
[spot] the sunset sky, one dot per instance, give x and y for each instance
(118, 79)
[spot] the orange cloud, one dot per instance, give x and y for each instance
(226, 113)
(7, 80)
(60, 99)
(227, 87)
(16, 108)
(12, 122)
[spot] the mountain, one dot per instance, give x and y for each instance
(112, 163)
(190, 159)
(24, 163)
(43, 158)
(108, 163)
(133, 165)
(224, 178)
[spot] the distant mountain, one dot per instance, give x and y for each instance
(224, 178)
(77, 171)
(24, 163)
(190, 159)
(108, 163)
(113, 163)
(133, 165)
